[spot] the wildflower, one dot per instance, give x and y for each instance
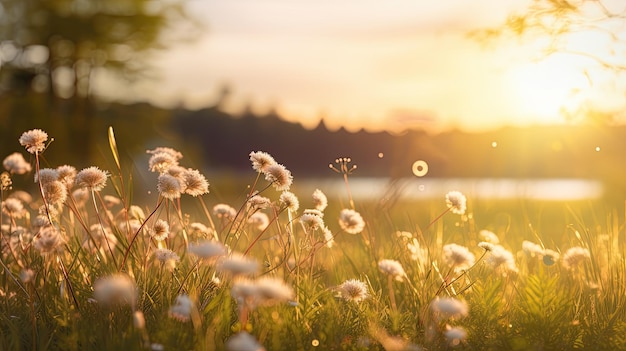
(166, 150)
(243, 341)
(271, 290)
(329, 238)
(160, 230)
(111, 201)
(574, 256)
(311, 220)
(91, 178)
(261, 161)
(486, 245)
(532, 249)
(55, 192)
(115, 289)
(320, 202)
(238, 265)
(181, 309)
(353, 290)
(550, 257)
(195, 183)
(34, 140)
(13, 208)
(167, 257)
(16, 164)
(208, 249)
(46, 175)
(458, 256)
(257, 202)
(245, 292)
(456, 202)
(392, 268)
(489, 236)
(161, 162)
(351, 221)
(501, 259)
(259, 220)
(279, 176)
(169, 187)
(67, 175)
(290, 201)
(135, 212)
(444, 308)
(224, 211)
(48, 240)
(455, 336)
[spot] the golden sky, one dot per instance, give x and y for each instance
(374, 65)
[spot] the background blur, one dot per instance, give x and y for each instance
(483, 90)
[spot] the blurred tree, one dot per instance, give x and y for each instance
(590, 29)
(59, 48)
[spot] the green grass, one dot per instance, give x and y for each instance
(538, 306)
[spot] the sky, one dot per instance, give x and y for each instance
(372, 64)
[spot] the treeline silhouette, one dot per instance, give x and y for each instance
(215, 141)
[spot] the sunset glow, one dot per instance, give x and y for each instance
(375, 65)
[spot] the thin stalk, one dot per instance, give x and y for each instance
(130, 245)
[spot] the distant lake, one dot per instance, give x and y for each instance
(556, 189)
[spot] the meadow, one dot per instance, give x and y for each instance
(88, 267)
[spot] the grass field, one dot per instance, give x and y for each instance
(87, 268)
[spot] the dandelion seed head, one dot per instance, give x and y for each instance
(289, 200)
(243, 341)
(166, 150)
(34, 140)
(160, 230)
(353, 290)
(238, 265)
(13, 208)
(27, 275)
(55, 192)
(320, 201)
(115, 289)
(195, 183)
(48, 240)
(208, 249)
(67, 175)
(489, 236)
(259, 220)
(161, 162)
(458, 256)
(574, 256)
(279, 176)
(487, 246)
(444, 308)
(502, 260)
(271, 290)
(80, 196)
(168, 186)
(46, 175)
(312, 220)
(257, 202)
(455, 336)
(21, 195)
(456, 202)
(261, 160)
(181, 309)
(102, 236)
(532, 249)
(167, 257)
(224, 211)
(392, 268)
(16, 164)
(351, 221)
(92, 178)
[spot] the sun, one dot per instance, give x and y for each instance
(543, 89)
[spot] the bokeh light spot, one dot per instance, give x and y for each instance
(420, 168)
(381, 155)
(315, 342)
(494, 144)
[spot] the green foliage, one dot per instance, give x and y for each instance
(193, 303)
